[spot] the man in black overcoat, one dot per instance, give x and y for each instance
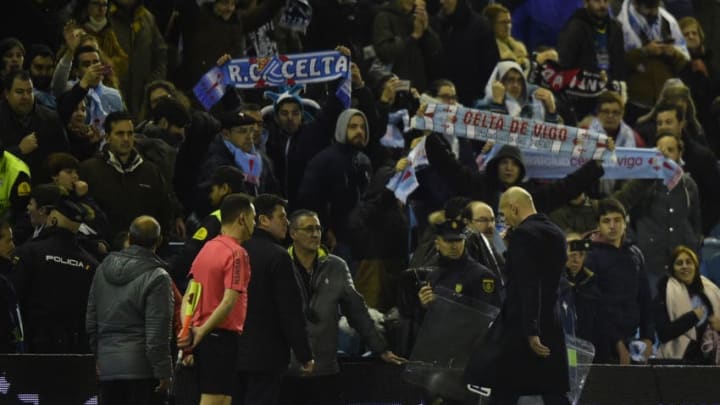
(524, 351)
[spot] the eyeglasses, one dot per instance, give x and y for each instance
(483, 220)
(311, 229)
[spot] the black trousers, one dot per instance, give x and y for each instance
(321, 390)
(257, 388)
(135, 392)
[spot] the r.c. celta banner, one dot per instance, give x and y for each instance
(274, 71)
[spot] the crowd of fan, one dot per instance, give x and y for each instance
(98, 126)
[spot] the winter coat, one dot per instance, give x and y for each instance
(275, 322)
(536, 258)
(219, 155)
(52, 277)
(469, 51)
(138, 34)
(663, 219)
(335, 179)
(207, 37)
(394, 45)
(129, 316)
(332, 292)
(126, 193)
(577, 45)
(48, 129)
(625, 301)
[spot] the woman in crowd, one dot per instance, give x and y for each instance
(686, 311)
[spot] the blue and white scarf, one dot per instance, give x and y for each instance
(251, 164)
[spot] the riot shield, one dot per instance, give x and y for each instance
(452, 326)
(580, 358)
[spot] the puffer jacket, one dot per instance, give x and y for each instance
(129, 316)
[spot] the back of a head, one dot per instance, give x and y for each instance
(145, 231)
(173, 111)
(265, 204)
(519, 196)
(59, 161)
(233, 206)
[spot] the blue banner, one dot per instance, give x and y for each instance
(279, 70)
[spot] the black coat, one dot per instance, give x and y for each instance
(625, 301)
(333, 183)
(577, 47)
(48, 129)
(52, 277)
(125, 196)
(219, 155)
(275, 321)
(536, 258)
(469, 51)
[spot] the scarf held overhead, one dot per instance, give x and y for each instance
(276, 71)
(503, 129)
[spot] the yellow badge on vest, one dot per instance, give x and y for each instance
(200, 234)
(488, 285)
(458, 288)
(24, 189)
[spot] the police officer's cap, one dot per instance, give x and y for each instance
(226, 174)
(236, 118)
(450, 230)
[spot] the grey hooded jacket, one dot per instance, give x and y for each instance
(129, 316)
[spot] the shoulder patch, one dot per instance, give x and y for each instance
(458, 288)
(23, 189)
(200, 234)
(488, 285)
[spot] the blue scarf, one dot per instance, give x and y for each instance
(250, 163)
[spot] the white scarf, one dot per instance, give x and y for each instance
(633, 23)
(677, 301)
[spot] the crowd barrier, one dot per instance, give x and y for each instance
(62, 379)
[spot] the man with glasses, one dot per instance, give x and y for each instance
(609, 121)
(235, 146)
(325, 285)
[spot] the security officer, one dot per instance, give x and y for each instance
(52, 277)
(457, 271)
(224, 180)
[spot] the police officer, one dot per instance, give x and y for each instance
(224, 180)
(457, 271)
(52, 277)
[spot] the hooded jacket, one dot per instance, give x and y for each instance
(129, 316)
(336, 178)
(526, 105)
(486, 187)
